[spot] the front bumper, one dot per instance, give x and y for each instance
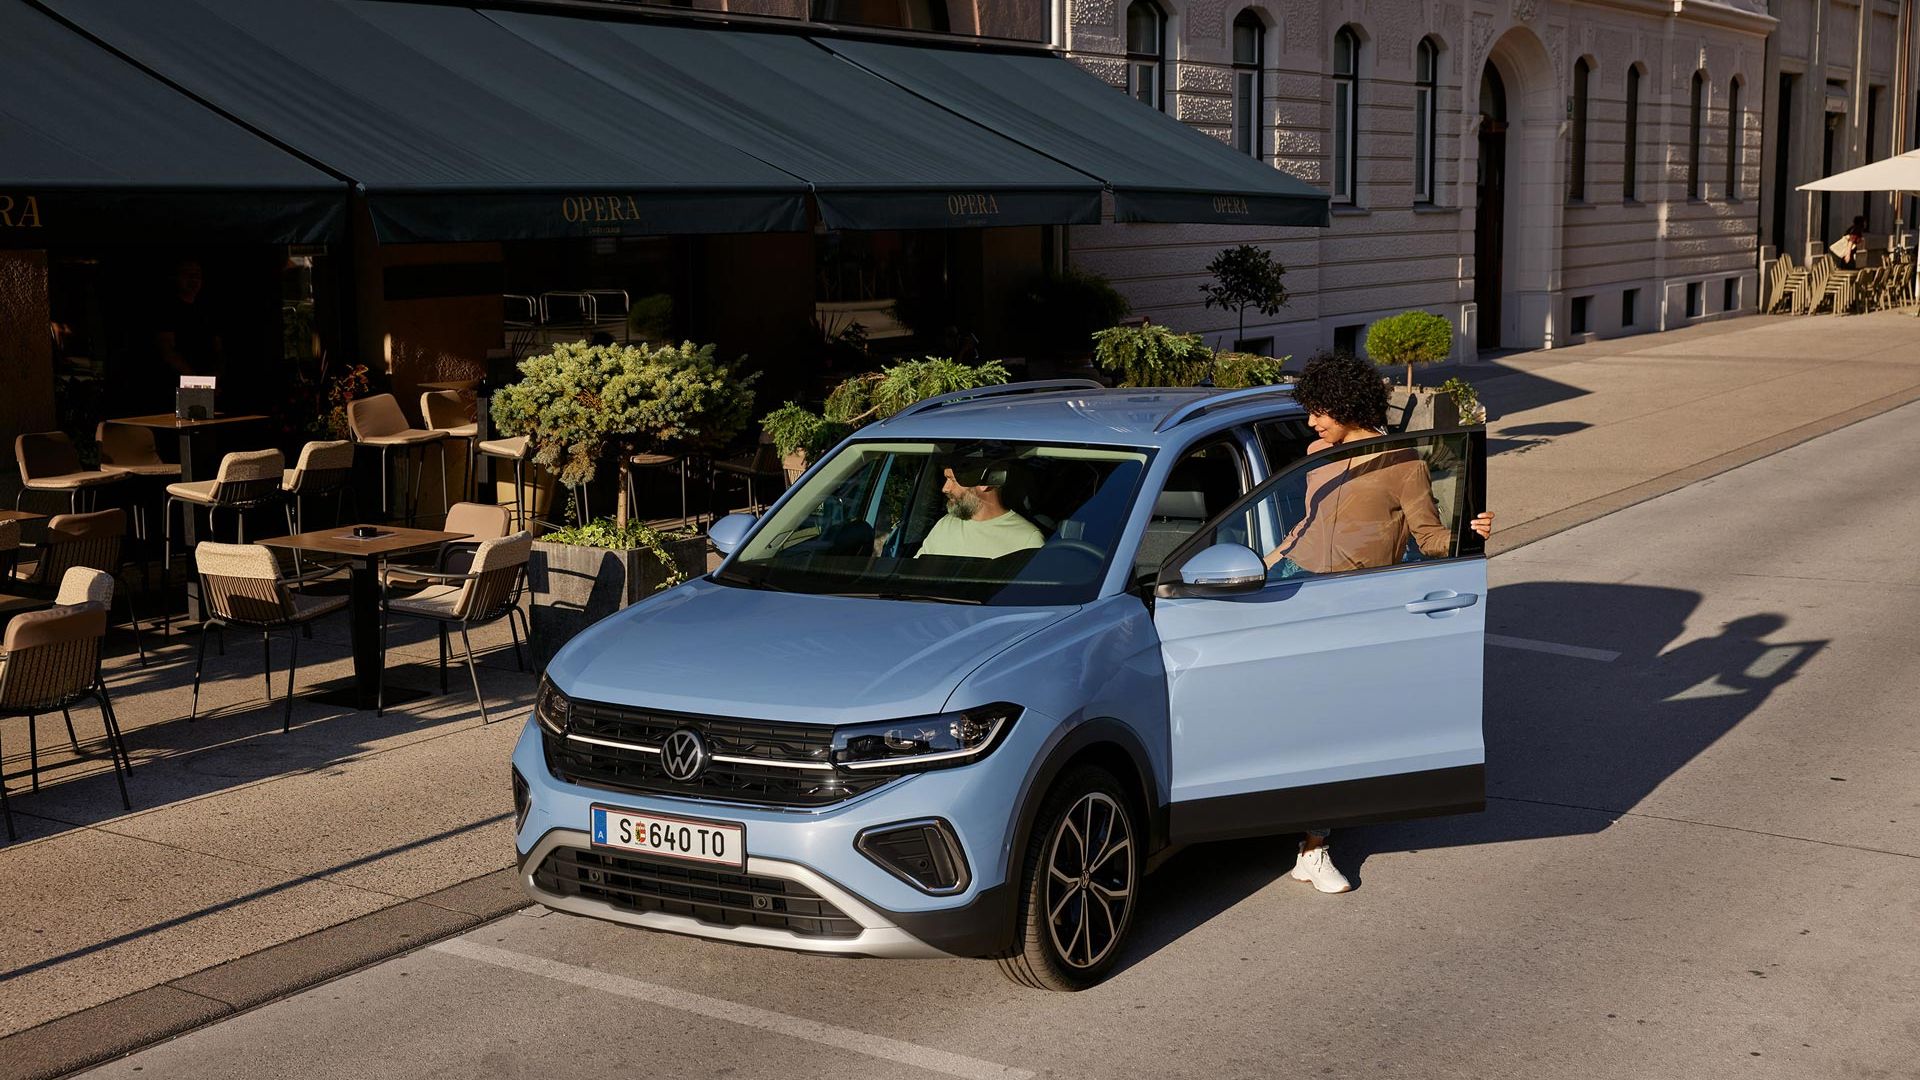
(814, 849)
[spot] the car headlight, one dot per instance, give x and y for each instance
(924, 742)
(551, 707)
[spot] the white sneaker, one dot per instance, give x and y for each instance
(1316, 866)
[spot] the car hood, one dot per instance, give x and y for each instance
(726, 651)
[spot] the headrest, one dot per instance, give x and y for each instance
(1185, 505)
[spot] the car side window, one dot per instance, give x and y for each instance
(1381, 503)
(1200, 486)
(1284, 442)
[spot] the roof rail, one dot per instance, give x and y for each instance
(1035, 386)
(1215, 401)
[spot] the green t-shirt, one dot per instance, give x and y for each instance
(987, 539)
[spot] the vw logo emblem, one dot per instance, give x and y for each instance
(684, 755)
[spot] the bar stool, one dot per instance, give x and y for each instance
(656, 461)
(378, 422)
(48, 462)
(245, 481)
(131, 451)
(446, 411)
(516, 450)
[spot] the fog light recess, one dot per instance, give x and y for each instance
(923, 853)
(522, 800)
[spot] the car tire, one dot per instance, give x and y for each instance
(1079, 886)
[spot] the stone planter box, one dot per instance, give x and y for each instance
(1431, 409)
(574, 587)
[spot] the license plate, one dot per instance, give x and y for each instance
(717, 842)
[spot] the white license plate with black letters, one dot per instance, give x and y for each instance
(719, 843)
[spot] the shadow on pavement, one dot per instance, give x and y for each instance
(1561, 731)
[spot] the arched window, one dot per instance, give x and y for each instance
(1696, 106)
(1146, 52)
(1426, 85)
(1734, 147)
(1577, 142)
(1249, 98)
(1630, 175)
(906, 14)
(1346, 113)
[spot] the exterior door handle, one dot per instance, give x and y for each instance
(1442, 603)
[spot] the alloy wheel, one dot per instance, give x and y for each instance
(1089, 880)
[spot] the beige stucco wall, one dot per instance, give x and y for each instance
(1386, 254)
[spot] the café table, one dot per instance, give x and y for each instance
(10, 603)
(188, 431)
(365, 555)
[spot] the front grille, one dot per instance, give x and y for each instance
(769, 775)
(718, 897)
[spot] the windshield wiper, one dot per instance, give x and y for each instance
(930, 597)
(750, 583)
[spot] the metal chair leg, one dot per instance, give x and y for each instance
(198, 666)
(71, 737)
(118, 777)
(442, 627)
(293, 665)
(6, 810)
(133, 619)
(445, 503)
(474, 673)
(113, 722)
(380, 677)
(519, 663)
(266, 662)
(33, 747)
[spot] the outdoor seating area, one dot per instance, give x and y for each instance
(1822, 285)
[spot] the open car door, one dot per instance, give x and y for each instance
(1344, 687)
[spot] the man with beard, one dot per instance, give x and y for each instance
(978, 524)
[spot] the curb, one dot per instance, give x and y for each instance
(1566, 518)
(145, 1017)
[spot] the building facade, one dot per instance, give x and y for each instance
(1540, 172)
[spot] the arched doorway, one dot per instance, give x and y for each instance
(1518, 201)
(1490, 205)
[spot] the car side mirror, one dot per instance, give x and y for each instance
(1221, 570)
(726, 534)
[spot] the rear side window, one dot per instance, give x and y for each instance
(1284, 441)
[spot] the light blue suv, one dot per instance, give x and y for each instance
(953, 691)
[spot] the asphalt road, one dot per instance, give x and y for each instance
(1700, 858)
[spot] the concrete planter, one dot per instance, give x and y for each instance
(1431, 409)
(574, 587)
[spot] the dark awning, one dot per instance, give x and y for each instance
(456, 128)
(1159, 168)
(877, 156)
(94, 149)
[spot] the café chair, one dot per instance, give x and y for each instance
(487, 592)
(93, 541)
(51, 662)
(241, 586)
(323, 468)
(131, 451)
(378, 422)
(481, 521)
(657, 461)
(48, 462)
(447, 412)
(244, 481)
(762, 467)
(516, 450)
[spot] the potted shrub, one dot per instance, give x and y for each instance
(578, 404)
(1152, 355)
(802, 435)
(1238, 370)
(1246, 277)
(1409, 338)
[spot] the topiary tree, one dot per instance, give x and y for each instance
(578, 403)
(1152, 355)
(1411, 337)
(1246, 277)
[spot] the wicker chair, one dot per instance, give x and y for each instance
(52, 662)
(127, 449)
(516, 450)
(48, 462)
(1804, 291)
(324, 468)
(243, 587)
(488, 592)
(378, 422)
(91, 541)
(245, 481)
(480, 521)
(450, 413)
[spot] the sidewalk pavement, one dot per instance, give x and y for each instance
(256, 863)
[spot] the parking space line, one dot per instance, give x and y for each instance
(859, 1042)
(1605, 656)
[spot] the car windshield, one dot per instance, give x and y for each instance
(967, 522)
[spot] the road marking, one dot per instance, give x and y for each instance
(858, 1042)
(1605, 656)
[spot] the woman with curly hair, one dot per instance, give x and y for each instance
(1360, 512)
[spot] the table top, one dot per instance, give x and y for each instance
(170, 422)
(449, 384)
(339, 540)
(20, 515)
